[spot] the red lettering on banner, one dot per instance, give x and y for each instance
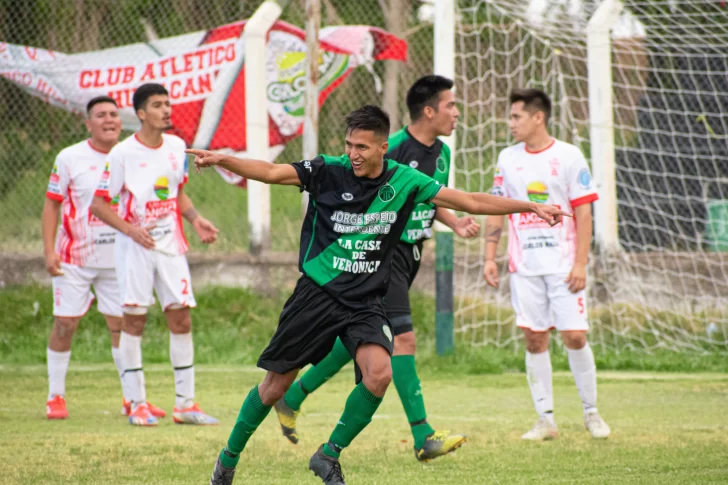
(219, 54)
(32, 52)
(148, 72)
(230, 53)
(128, 74)
(188, 62)
(84, 83)
(162, 70)
(49, 93)
(123, 97)
(158, 209)
(19, 77)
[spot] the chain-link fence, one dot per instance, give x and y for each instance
(34, 131)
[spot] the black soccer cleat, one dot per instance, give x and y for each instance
(327, 468)
(222, 475)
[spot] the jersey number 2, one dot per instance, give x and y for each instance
(186, 288)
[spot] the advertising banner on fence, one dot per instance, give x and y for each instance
(192, 67)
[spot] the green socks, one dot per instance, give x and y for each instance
(252, 413)
(360, 407)
(317, 375)
(404, 374)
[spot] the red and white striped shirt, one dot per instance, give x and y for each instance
(83, 240)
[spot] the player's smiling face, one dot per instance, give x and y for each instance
(366, 152)
(103, 124)
(157, 112)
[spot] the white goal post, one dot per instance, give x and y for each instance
(641, 87)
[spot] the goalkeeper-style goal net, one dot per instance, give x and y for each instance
(667, 285)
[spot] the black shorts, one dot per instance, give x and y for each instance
(310, 322)
(405, 265)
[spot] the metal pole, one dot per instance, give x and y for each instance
(256, 118)
(311, 117)
(601, 117)
(444, 33)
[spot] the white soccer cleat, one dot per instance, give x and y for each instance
(544, 430)
(596, 426)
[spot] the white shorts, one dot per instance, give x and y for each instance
(72, 296)
(545, 302)
(142, 271)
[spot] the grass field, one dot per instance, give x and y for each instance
(667, 429)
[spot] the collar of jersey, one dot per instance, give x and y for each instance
(428, 148)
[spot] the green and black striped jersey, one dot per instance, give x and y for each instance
(353, 224)
(433, 161)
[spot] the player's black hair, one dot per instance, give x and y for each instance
(426, 92)
(368, 118)
(533, 100)
(97, 100)
(144, 92)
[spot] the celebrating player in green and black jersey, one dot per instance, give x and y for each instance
(358, 209)
(433, 113)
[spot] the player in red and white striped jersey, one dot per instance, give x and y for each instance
(547, 264)
(81, 254)
(148, 172)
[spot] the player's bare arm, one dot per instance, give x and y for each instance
(49, 224)
(100, 208)
(577, 276)
(465, 227)
(486, 204)
(204, 228)
(269, 173)
(493, 231)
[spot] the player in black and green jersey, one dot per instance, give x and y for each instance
(433, 113)
(359, 206)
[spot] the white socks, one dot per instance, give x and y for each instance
(116, 355)
(130, 348)
(57, 368)
(538, 371)
(584, 369)
(182, 356)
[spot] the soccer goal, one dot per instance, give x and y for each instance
(642, 87)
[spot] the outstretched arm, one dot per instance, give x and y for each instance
(486, 204)
(269, 173)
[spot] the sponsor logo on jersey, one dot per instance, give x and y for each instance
(414, 164)
(537, 192)
(161, 188)
(585, 178)
(441, 165)
(55, 178)
(159, 209)
(386, 193)
(529, 220)
(173, 160)
(347, 196)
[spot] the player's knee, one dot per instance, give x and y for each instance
(271, 390)
(574, 340)
(537, 342)
(377, 377)
(405, 344)
(133, 324)
(179, 319)
(65, 327)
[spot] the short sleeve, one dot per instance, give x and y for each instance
(112, 180)
(499, 186)
(310, 173)
(427, 187)
(58, 180)
(581, 186)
